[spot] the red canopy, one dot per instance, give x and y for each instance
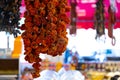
(85, 11)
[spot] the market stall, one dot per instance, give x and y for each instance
(51, 33)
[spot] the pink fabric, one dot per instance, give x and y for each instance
(85, 11)
(88, 11)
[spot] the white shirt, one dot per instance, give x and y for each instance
(61, 71)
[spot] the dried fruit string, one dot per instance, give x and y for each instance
(44, 30)
(99, 19)
(10, 16)
(112, 20)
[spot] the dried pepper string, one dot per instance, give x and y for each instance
(44, 30)
(10, 16)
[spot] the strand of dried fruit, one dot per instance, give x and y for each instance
(10, 16)
(44, 30)
(112, 20)
(73, 16)
(99, 19)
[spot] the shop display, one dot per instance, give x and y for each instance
(10, 16)
(9, 69)
(86, 66)
(44, 30)
(96, 75)
(112, 75)
(112, 66)
(100, 71)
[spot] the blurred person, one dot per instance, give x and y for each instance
(52, 66)
(73, 62)
(65, 68)
(66, 55)
(44, 64)
(26, 75)
(49, 73)
(70, 57)
(73, 59)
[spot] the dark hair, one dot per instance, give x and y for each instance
(115, 77)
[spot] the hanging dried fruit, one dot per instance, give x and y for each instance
(10, 16)
(44, 30)
(73, 16)
(112, 20)
(99, 19)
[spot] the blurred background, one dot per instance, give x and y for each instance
(88, 57)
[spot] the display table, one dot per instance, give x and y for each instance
(9, 68)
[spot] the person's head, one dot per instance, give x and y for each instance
(52, 66)
(66, 66)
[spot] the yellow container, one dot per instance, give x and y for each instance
(97, 75)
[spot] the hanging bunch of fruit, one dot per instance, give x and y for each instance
(99, 19)
(10, 16)
(112, 20)
(44, 30)
(73, 16)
